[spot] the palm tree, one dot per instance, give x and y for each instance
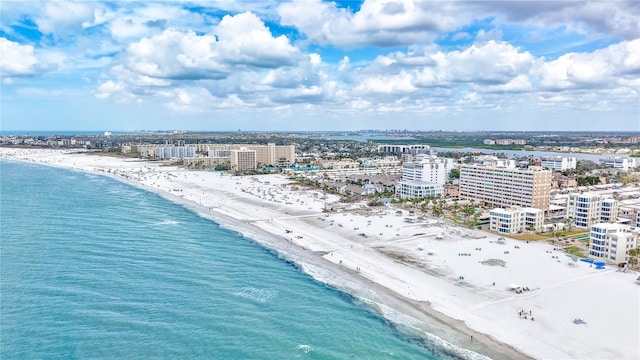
(633, 256)
(568, 222)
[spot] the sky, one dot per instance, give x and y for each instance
(306, 65)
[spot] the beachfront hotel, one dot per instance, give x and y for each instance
(587, 209)
(558, 163)
(499, 183)
(270, 154)
(238, 159)
(173, 152)
(612, 242)
(243, 159)
(424, 177)
(515, 220)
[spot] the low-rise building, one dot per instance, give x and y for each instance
(340, 164)
(515, 220)
(206, 162)
(384, 163)
(588, 208)
(619, 162)
(612, 242)
(564, 182)
(510, 142)
(558, 163)
(451, 191)
(404, 149)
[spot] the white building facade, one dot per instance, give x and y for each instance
(515, 220)
(174, 152)
(423, 178)
(587, 209)
(612, 242)
(619, 162)
(558, 163)
(404, 149)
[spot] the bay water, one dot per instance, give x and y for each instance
(94, 268)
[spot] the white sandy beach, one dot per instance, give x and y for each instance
(440, 269)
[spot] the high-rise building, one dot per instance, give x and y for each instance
(425, 177)
(243, 159)
(505, 186)
(270, 154)
(174, 152)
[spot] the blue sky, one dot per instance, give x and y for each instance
(320, 65)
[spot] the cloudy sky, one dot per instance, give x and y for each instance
(320, 65)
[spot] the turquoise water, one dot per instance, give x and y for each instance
(94, 268)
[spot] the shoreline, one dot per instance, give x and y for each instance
(264, 223)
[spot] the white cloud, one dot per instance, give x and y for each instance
(190, 101)
(127, 28)
(619, 18)
(108, 88)
(520, 83)
(147, 19)
(380, 84)
(405, 22)
(604, 68)
(16, 59)
(176, 55)
(64, 17)
(305, 74)
(244, 39)
(378, 22)
(494, 65)
(344, 65)
(491, 63)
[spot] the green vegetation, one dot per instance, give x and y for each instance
(574, 250)
(588, 180)
(626, 178)
(530, 237)
(633, 256)
(374, 202)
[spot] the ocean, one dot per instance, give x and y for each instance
(94, 268)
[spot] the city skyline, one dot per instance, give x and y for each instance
(318, 65)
